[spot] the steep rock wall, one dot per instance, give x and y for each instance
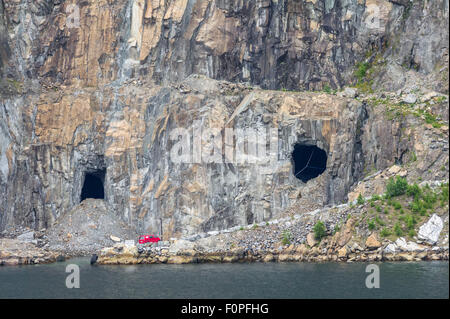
(292, 44)
(79, 95)
(127, 132)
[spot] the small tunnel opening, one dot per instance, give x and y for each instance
(309, 162)
(93, 185)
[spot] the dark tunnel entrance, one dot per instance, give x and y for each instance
(309, 162)
(93, 185)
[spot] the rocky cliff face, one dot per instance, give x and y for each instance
(291, 44)
(100, 87)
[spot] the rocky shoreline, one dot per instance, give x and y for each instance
(346, 245)
(379, 228)
(122, 255)
(119, 255)
(14, 252)
(289, 239)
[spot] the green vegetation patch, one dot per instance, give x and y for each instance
(412, 205)
(319, 230)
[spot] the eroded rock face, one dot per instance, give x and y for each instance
(101, 86)
(275, 44)
(127, 132)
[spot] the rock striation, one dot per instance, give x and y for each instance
(288, 44)
(101, 88)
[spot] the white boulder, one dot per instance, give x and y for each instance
(403, 245)
(115, 239)
(410, 98)
(348, 92)
(431, 230)
(26, 237)
(390, 249)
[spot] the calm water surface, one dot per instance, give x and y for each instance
(257, 280)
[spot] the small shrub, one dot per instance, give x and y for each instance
(319, 230)
(378, 208)
(385, 232)
(416, 206)
(429, 199)
(410, 222)
(379, 221)
(397, 205)
(286, 238)
(371, 225)
(361, 70)
(398, 230)
(360, 200)
(376, 197)
(423, 211)
(396, 187)
(432, 119)
(444, 192)
(414, 191)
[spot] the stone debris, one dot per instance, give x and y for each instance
(75, 236)
(372, 242)
(410, 99)
(115, 239)
(264, 243)
(311, 240)
(26, 237)
(431, 230)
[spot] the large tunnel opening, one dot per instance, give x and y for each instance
(93, 185)
(309, 162)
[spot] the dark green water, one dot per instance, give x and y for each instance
(272, 280)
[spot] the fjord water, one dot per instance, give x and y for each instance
(253, 280)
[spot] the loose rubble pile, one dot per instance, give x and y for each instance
(86, 229)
